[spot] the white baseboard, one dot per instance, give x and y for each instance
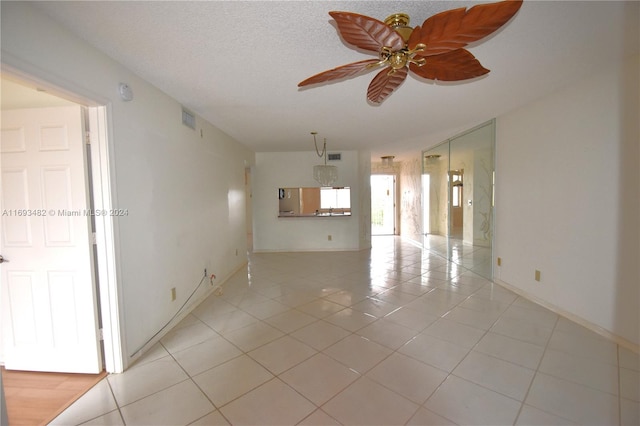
(572, 317)
(312, 250)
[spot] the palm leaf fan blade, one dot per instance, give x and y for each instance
(339, 72)
(384, 83)
(365, 32)
(456, 28)
(456, 65)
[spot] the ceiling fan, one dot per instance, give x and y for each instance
(433, 51)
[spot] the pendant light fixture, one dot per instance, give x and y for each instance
(387, 160)
(323, 174)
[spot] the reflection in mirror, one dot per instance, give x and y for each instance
(457, 183)
(314, 202)
(434, 184)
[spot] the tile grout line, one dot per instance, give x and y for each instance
(216, 408)
(619, 386)
(395, 263)
(449, 374)
(537, 370)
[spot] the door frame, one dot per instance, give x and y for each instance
(103, 192)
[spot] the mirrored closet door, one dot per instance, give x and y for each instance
(457, 182)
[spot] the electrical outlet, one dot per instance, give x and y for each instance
(173, 294)
(499, 261)
(329, 237)
(537, 275)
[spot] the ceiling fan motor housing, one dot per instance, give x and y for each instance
(400, 23)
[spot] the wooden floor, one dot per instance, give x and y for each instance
(35, 398)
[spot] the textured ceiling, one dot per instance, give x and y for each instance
(238, 63)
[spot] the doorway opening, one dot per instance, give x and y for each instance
(455, 195)
(100, 321)
(248, 208)
(383, 205)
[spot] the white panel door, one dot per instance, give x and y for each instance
(48, 300)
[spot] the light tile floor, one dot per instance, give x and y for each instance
(391, 335)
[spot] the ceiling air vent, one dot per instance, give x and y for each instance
(334, 157)
(188, 119)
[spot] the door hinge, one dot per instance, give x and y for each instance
(94, 238)
(87, 138)
(100, 334)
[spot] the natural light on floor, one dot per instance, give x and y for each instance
(391, 335)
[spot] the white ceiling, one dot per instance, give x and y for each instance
(238, 63)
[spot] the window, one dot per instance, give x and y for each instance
(335, 198)
(455, 177)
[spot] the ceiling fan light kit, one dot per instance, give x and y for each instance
(433, 51)
(387, 160)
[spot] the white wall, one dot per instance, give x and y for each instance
(364, 199)
(185, 193)
(567, 195)
(295, 169)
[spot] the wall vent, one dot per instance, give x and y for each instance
(337, 156)
(188, 119)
